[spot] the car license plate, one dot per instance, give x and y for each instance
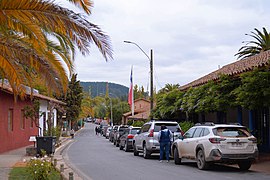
(237, 144)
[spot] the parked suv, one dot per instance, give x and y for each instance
(118, 133)
(217, 143)
(146, 140)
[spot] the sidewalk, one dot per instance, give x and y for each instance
(18, 156)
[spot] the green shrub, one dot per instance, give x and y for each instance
(40, 169)
(56, 131)
(185, 125)
(138, 123)
(129, 122)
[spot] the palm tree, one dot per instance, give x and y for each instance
(38, 39)
(169, 88)
(260, 43)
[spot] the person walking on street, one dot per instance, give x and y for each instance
(164, 138)
(72, 133)
(96, 130)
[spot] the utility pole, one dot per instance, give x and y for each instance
(151, 75)
(151, 82)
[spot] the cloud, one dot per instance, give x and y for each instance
(189, 38)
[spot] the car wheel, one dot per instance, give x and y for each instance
(135, 152)
(146, 153)
(120, 147)
(177, 160)
(244, 165)
(201, 163)
(126, 147)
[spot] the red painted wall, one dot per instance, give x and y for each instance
(18, 137)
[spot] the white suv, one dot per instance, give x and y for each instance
(146, 140)
(216, 143)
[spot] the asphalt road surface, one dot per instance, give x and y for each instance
(95, 157)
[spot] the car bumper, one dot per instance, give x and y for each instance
(217, 156)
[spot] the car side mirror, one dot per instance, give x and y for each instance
(181, 137)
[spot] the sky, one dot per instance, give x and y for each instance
(189, 38)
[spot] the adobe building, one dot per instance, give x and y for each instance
(258, 121)
(15, 129)
(141, 111)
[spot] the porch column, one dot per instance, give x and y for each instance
(250, 120)
(239, 115)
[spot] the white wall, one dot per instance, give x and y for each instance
(44, 108)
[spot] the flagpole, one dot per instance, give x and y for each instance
(131, 93)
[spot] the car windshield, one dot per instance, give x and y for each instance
(231, 132)
(172, 127)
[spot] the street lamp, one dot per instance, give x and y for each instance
(151, 72)
(111, 107)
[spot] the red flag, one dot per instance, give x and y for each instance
(130, 94)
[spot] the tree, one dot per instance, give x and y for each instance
(169, 87)
(254, 91)
(260, 43)
(73, 100)
(166, 106)
(38, 39)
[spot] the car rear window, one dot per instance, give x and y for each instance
(231, 132)
(134, 131)
(172, 127)
(121, 129)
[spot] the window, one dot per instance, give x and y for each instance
(145, 128)
(198, 132)
(10, 120)
(22, 124)
(32, 123)
(206, 132)
(189, 133)
(170, 126)
(231, 132)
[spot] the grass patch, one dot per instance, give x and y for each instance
(20, 173)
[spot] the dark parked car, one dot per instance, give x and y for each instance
(125, 141)
(118, 133)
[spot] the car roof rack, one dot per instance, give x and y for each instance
(205, 124)
(239, 124)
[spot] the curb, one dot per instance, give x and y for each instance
(61, 165)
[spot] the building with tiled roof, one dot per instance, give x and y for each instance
(141, 111)
(258, 120)
(233, 69)
(15, 128)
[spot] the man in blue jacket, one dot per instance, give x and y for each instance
(164, 138)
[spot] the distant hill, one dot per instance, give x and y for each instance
(99, 89)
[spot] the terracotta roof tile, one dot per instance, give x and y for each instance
(8, 89)
(235, 68)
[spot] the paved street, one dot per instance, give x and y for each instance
(94, 157)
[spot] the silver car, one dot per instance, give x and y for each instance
(146, 140)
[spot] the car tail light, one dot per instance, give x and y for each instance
(254, 140)
(130, 136)
(182, 132)
(151, 134)
(216, 140)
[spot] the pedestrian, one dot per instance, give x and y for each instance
(96, 130)
(72, 133)
(164, 138)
